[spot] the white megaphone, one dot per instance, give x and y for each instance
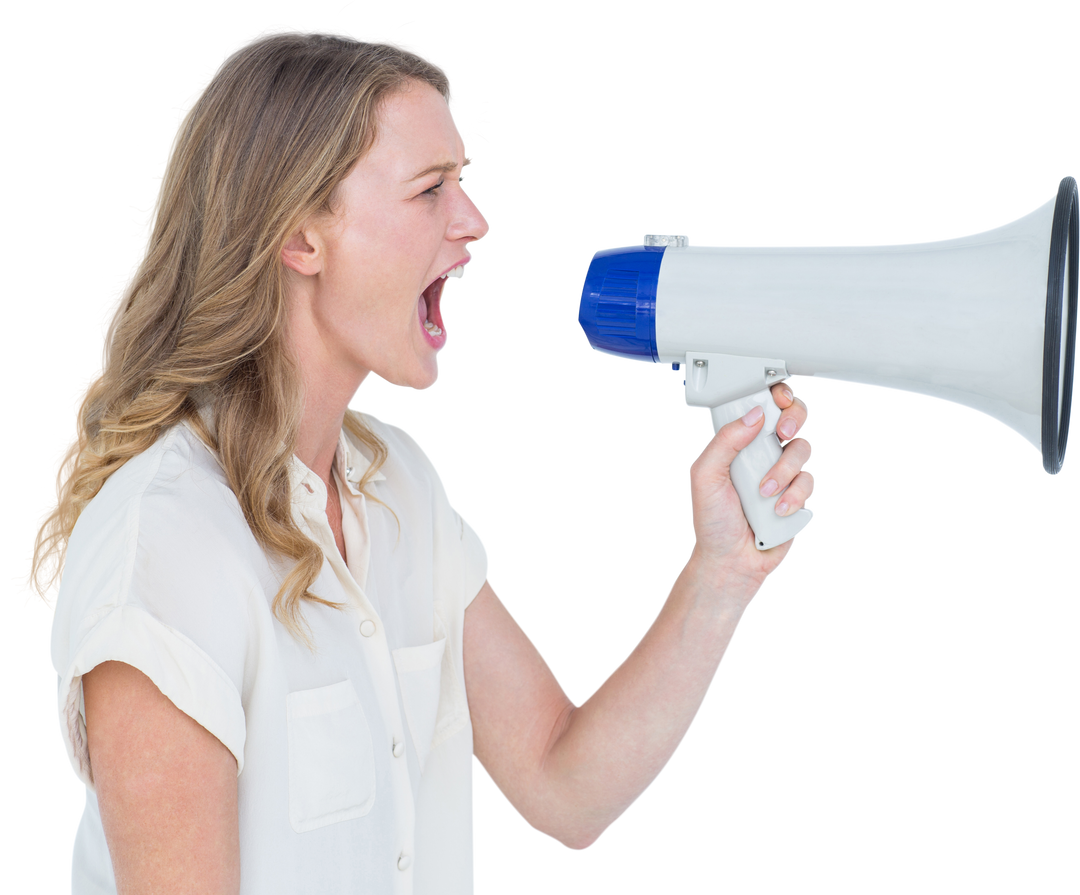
(988, 321)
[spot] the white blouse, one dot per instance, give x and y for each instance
(354, 758)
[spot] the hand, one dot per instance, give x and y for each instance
(725, 542)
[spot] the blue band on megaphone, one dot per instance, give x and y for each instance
(618, 303)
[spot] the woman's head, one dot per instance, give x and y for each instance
(365, 280)
(263, 150)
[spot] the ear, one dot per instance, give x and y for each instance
(302, 253)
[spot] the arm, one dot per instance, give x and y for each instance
(166, 788)
(622, 737)
(620, 740)
(571, 771)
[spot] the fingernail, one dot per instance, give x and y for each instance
(786, 429)
(781, 509)
(753, 416)
(769, 488)
(788, 394)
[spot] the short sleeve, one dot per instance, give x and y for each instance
(192, 681)
(475, 562)
(151, 579)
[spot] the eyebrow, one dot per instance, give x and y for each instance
(444, 167)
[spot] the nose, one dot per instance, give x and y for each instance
(474, 225)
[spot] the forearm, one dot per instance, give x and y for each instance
(612, 747)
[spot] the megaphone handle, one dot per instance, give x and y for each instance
(750, 466)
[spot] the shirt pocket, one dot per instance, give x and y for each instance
(331, 758)
(419, 670)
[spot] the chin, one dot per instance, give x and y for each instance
(416, 383)
(432, 382)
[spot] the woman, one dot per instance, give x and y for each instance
(270, 616)
(287, 254)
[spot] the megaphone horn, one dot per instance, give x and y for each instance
(988, 321)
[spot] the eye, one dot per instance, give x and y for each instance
(435, 188)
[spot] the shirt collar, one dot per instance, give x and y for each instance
(350, 463)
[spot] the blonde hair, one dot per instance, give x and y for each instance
(278, 128)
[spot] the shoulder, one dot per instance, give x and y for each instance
(174, 489)
(190, 488)
(177, 465)
(400, 445)
(406, 465)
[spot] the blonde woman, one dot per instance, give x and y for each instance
(276, 645)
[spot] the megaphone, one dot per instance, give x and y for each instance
(988, 321)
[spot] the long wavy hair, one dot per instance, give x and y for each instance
(264, 148)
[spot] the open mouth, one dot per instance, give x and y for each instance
(430, 304)
(430, 309)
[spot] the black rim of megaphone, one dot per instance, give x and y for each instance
(1063, 269)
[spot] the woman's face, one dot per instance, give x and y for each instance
(401, 223)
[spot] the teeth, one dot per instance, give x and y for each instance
(456, 272)
(428, 325)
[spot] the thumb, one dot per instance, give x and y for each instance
(731, 439)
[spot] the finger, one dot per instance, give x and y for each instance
(725, 445)
(790, 464)
(793, 420)
(782, 395)
(798, 495)
(785, 397)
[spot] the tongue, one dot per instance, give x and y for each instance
(429, 307)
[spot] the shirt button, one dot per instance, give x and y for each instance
(398, 748)
(404, 862)
(367, 627)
